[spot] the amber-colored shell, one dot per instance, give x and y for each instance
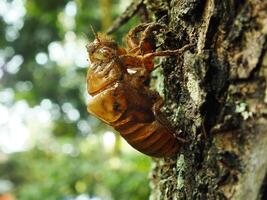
(123, 108)
(121, 99)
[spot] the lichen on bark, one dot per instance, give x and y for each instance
(216, 95)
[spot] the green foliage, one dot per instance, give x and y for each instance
(55, 175)
(46, 171)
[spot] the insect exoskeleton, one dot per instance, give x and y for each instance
(129, 112)
(120, 97)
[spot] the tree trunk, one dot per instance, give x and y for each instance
(216, 96)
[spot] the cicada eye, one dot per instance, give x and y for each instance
(103, 54)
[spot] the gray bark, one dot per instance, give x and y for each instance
(216, 96)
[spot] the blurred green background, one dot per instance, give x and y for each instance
(50, 147)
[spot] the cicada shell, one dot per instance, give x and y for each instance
(120, 98)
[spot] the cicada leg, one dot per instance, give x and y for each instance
(132, 38)
(147, 40)
(144, 46)
(167, 52)
(146, 61)
(144, 43)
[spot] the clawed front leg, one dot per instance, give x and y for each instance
(142, 48)
(146, 61)
(167, 52)
(148, 58)
(145, 43)
(147, 40)
(132, 38)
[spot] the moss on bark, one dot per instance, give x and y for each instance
(215, 95)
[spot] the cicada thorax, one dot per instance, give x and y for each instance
(102, 75)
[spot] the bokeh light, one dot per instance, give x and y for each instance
(50, 147)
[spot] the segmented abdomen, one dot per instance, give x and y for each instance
(129, 111)
(149, 138)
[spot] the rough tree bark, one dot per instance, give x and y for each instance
(216, 95)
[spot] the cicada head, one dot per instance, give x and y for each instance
(103, 48)
(105, 67)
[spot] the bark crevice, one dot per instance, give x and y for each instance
(216, 96)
